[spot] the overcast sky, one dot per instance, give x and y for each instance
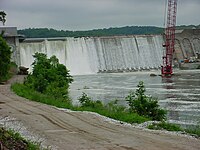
(94, 14)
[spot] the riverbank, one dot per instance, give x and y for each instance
(86, 130)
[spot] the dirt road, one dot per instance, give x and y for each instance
(85, 131)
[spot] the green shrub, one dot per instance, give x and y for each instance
(5, 55)
(49, 77)
(86, 101)
(145, 105)
(111, 110)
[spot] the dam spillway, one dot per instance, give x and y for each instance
(90, 55)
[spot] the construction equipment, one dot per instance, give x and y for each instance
(166, 69)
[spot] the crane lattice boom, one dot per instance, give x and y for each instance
(169, 38)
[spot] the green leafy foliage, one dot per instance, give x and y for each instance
(5, 55)
(144, 105)
(24, 91)
(111, 110)
(127, 30)
(194, 131)
(86, 101)
(49, 77)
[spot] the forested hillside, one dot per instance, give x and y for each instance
(128, 30)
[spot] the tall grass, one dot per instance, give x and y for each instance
(195, 131)
(110, 110)
(24, 91)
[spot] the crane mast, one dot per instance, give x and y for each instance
(166, 69)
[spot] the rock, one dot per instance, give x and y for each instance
(152, 75)
(23, 70)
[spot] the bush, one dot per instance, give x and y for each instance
(111, 110)
(49, 77)
(86, 101)
(5, 55)
(145, 105)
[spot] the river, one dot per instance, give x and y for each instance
(180, 94)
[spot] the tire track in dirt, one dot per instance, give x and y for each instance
(79, 130)
(102, 126)
(99, 126)
(73, 129)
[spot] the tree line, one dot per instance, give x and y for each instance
(128, 30)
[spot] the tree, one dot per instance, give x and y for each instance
(49, 77)
(145, 105)
(5, 52)
(3, 17)
(5, 55)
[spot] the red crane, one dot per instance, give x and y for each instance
(166, 69)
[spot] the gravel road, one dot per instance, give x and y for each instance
(67, 130)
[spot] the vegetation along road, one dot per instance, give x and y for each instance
(67, 130)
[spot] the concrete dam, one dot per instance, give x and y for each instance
(97, 54)
(90, 55)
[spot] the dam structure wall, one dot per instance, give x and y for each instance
(90, 55)
(187, 44)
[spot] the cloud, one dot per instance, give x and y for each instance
(90, 14)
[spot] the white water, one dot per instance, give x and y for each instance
(93, 54)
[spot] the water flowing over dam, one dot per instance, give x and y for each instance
(89, 55)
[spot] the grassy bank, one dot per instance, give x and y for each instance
(111, 110)
(174, 127)
(12, 140)
(195, 131)
(33, 95)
